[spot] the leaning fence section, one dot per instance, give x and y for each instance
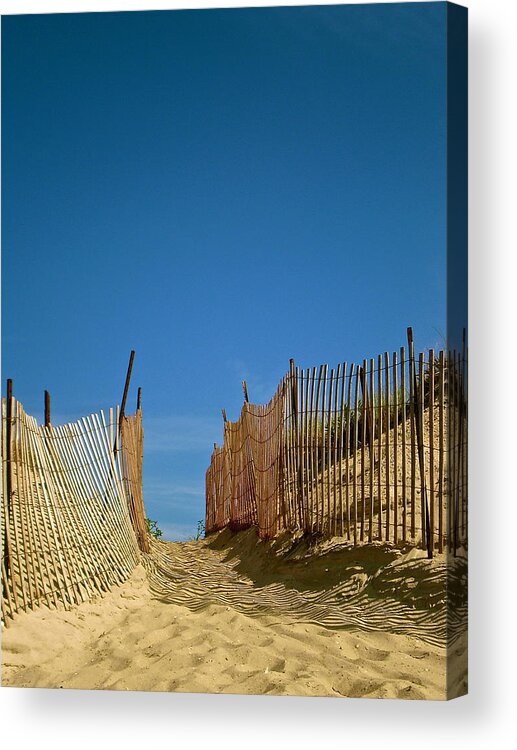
(73, 520)
(132, 456)
(375, 451)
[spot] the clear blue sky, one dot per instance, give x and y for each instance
(221, 191)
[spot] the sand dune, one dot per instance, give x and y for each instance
(230, 614)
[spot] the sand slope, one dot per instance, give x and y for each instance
(181, 631)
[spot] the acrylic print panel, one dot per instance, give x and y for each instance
(226, 199)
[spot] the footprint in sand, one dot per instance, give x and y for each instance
(377, 654)
(277, 666)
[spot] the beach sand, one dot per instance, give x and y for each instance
(230, 614)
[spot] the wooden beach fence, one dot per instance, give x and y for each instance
(371, 452)
(132, 456)
(244, 477)
(73, 519)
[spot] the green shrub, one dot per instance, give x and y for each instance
(153, 529)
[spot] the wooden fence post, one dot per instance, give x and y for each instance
(126, 387)
(431, 390)
(8, 470)
(356, 440)
(404, 414)
(364, 396)
(364, 420)
(426, 536)
(8, 447)
(395, 450)
(47, 409)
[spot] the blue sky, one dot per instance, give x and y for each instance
(220, 191)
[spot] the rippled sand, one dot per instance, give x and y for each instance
(230, 614)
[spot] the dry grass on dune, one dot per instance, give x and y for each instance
(230, 614)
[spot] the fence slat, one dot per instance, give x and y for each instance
(395, 449)
(441, 429)
(302, 483)
(403, 431)
(312, 446)
(379, 446)
(348, 446)
(335, 433)
(363, 446)
(431, 448)
(412, 437)
(342, 446)
(317, 450)
(328, 514)
(387, 442)
(424, 521)
(322, 514)
(356, 439)
(20, 503)
(371, 447)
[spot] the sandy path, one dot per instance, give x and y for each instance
(138, 638)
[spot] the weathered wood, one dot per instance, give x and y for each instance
(328, 526)
(335, 452)
(26, 503)
(431, 447)
(348, 447)
(8, 443)
(342, 419)
(371, 446)
(47, 409)
(307, 452)
(302, 470)
(317, 451)
(348, 465)
(19, 502)
(126, 384)
(403, 431)
(313, 454)
(462, 521)
(379, 447)
(441, 439)
(291, 472)
(395, 450)
(7, 483)
(412, 417)
(71, 533)
(463, 448)
(419, 414)
(450, 449)
(364, 414)
(456, 448)
(387, 442)
(321, 519)
(356, 439)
